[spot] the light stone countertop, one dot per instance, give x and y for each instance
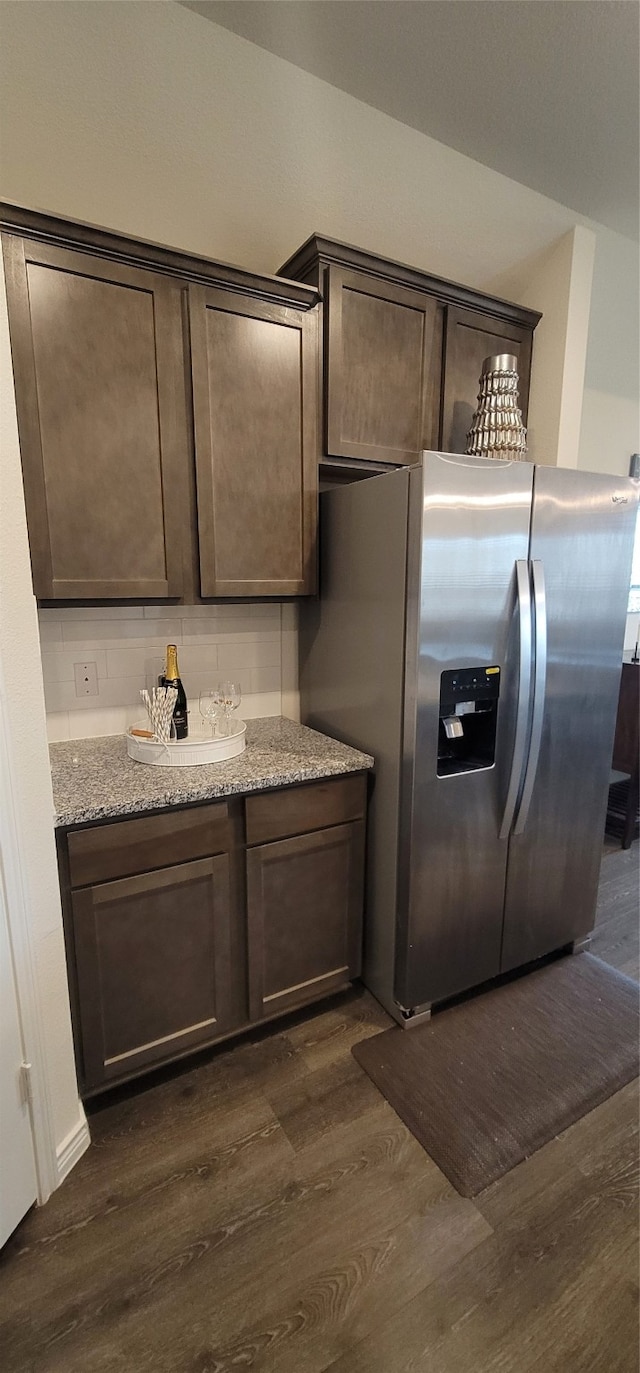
(94, 779)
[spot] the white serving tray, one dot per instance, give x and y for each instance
(194, 751)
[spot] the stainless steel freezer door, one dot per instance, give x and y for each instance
(582, 535)
(471, 521)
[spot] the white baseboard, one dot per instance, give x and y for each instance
(72, 1148)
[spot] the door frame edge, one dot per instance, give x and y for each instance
(51, 1163)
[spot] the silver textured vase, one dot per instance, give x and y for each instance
(497, 430)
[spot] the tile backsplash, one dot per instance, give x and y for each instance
(127, 645)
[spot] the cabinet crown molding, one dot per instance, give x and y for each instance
(321, 251)
(107, 243)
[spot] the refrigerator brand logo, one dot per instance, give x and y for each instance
(619, 500)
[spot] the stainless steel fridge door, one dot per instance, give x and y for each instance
(581, 547)
(468, 528)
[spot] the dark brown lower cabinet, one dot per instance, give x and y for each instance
(164, 954)
(152, 961)
(304, 905)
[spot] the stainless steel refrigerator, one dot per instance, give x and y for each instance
(469, 634)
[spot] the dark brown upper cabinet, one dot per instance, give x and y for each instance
(470, 337)
(403, 355)
(383, 361)
(118, 504)
(254, 368)
(100, 392)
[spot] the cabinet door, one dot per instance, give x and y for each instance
(256, 431)
(384, 347)
(304, 902)
(470, 337)
(100, 390)
(153, 966)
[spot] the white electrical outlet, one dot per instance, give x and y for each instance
(86, 679)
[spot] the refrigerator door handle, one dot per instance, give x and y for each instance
(539, 687)
(523, 592)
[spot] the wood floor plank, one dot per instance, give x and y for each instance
(146, 1140)
(616, 937)
(126, 1175)
(110, 1252)
(255, 1257)
(330, 1034)
(369, 1276)
(531, 1297)
(322, 1100)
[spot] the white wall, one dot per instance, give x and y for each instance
(31, 780)
(148, 119)
(556, 281)
(610, 430)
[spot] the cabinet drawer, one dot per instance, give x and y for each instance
(130, 846)
(298, 810)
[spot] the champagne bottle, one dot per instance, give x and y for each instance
(172, 678)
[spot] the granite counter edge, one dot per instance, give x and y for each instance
(68, 818)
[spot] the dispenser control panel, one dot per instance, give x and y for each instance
(463, 684)
(468, 719)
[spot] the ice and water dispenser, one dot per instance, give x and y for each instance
(468, 718)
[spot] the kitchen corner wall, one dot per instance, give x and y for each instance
(127, 643)
(556, 281)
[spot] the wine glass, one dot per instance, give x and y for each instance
(231, 696)
(210, 703)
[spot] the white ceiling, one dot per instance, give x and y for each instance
(544, 91)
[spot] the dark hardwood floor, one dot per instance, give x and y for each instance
(267, 1210)
(616, 937)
